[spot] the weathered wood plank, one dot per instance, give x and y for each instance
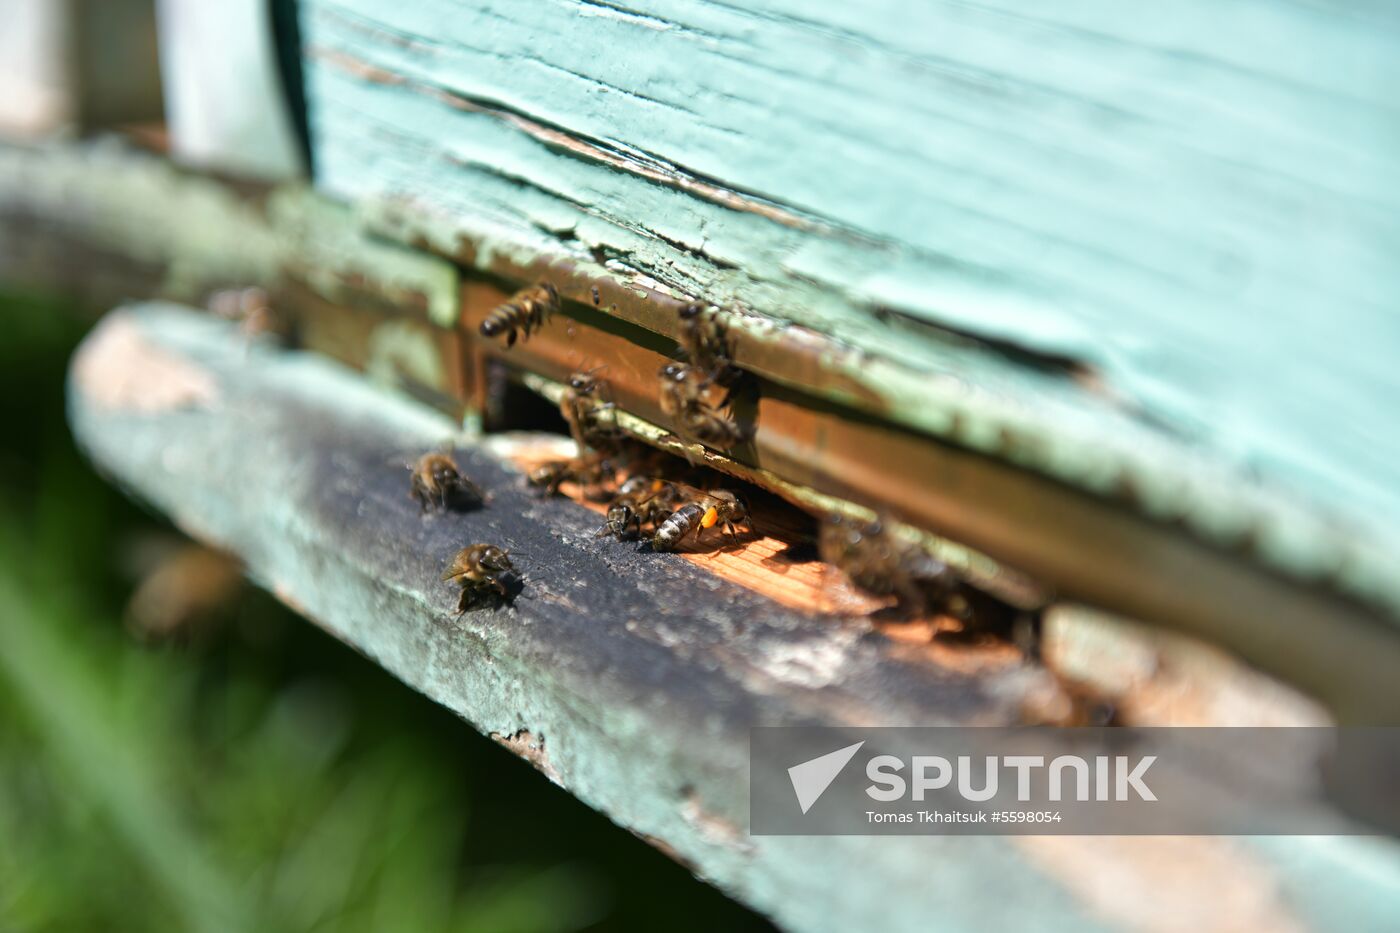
(630, 679)
(108, 224)
(184, 235)
(638, 675)
(1205, 224)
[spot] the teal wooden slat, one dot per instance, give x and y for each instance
(1197, 201)
(637, 696)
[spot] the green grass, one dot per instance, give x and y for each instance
(261, 776)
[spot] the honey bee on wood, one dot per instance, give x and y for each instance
(525, 313)
(883, 564)
(683, 397)
(478, 569)
(592, 471)
(437, 483)
(700, 510)
(705, 340)
(581, 405)
(640, 503)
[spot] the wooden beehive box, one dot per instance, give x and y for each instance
(1093, 304)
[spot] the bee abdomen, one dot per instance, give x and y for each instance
(526, 311)
(503, 318)
(676, 527)
(715, 430)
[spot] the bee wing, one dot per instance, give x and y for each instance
(688, 491)
(408, 459)
(649, 496)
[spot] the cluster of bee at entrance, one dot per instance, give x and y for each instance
(662, 512)
(648, 499)
(655, 500)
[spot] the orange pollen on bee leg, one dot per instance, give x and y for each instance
(711, 516)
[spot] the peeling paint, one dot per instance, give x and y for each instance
(118, 369)
(527, 745)
(398, 349)
(297, 472)
(324, 245)
(1164, 884)
(959, 210)
(712, 827)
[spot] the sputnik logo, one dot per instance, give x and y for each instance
(811, 778)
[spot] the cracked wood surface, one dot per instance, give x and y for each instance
(630, 679)
(1129, 250)
(132, 224)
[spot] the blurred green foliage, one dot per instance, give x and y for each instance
(258, 775)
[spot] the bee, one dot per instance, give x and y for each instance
(436, 482)
(682, 387)
(705, 340)
(187, 592)
(592, 471)
(700, 510)
(683, 397)
(525, 313)
(883, 564)
(580, 405)
(640, 502)
(478, 569)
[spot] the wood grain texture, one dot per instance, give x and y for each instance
(1196, 206)
(629, 679)
(106, 223)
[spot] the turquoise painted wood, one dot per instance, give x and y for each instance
(1199, 201)
(637, 698)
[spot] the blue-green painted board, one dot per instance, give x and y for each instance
(639, 695)
(1201, 200)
